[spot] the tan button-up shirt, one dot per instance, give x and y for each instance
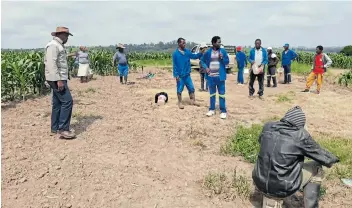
(55, 60)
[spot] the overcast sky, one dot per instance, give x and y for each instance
(28, 24)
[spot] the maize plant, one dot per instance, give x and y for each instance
(346, 78)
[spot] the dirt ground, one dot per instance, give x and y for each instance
(129, 153)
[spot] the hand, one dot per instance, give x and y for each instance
(220, 56)
(322, 67)
(60, 85)
(208, 70)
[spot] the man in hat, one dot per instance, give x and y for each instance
(273, 60)
(286, 58)
(241, 60)
(122, 63)
(280, 169)
(257, 56)
(182, 70)
(56, 75)
(321, 62)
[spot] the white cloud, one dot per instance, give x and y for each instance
(28, 24)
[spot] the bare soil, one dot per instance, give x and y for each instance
(130, 153)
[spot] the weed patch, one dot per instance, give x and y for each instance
(231, 186)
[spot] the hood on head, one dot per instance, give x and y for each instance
(296, 117)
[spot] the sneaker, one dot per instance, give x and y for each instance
(223, 115)
(67, 134)
(210, 113)
(306, 90)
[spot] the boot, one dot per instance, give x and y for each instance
(193, 99)
(289, 78)
(311, 195)
(121, 80)
(179, 97)
(275, 82)
(125, 79)
(268, 81)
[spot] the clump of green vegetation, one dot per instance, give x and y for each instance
(345, 79)
(90, 89)
(233, 185)
(286, 97)
(244, 143)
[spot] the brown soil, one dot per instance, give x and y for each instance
(130, 153)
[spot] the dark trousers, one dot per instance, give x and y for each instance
(252, 78)
(271, 74)
(203, 82)
(61, 107)
(287, 73)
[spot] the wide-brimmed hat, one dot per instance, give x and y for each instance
(120, 45)
(61, 30)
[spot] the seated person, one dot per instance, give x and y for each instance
(280, 169)
(161, 98)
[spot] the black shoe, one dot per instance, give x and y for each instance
(306, 90)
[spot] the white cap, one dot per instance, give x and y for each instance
(203, 45)
(270, 48)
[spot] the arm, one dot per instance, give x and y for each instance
(175, 70)
(294, 55)
(265, 57)
(329, 61)
(282, 58)
(193, 56)
(225, 57)
(312, 150)
(276, 61)
(114, 59)
(203, 60)
(51, 55)
(251, 57)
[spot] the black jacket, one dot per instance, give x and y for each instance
(283, 146)
(272, 62)
(161, 93)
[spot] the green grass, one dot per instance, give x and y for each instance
(156, 63)
(286, 97)
(244, 142)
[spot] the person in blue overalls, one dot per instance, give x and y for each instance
(287, 57)
(182, 70)
(121, 58)
(215, 61)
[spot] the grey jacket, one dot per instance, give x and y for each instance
(55, 60)
(283, 146)
(326, 60)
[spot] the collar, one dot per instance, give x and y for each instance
(258, 49)
(58, 40)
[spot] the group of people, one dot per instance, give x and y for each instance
(280, 169)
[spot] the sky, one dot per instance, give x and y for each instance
(29, 24)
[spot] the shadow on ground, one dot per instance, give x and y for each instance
(83, 122)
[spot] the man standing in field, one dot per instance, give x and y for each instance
(182, 70)
(287, 56)
(215, 61)
(281, 170)
(56, 75)
(241, 60)
(321, 62)
(122, 63)
(258, 57)
(273, 60)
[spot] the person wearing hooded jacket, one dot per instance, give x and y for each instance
(215, 61)
(280, 169)
(273, 60)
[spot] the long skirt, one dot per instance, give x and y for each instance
(84, 70)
